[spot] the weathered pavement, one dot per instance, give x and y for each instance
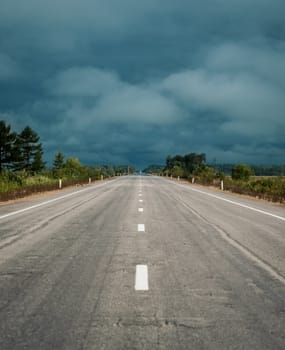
(216, 270)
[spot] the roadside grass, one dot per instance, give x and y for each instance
(264, 187)
(18, 185)
(271, 188)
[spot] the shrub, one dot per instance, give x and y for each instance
(242, 172)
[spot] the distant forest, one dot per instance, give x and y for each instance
(23, 170)
(258, 170)
(23, 153)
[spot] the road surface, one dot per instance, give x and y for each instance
(142, 263)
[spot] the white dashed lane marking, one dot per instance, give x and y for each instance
(140, 210)
(141, 228)
(141, 280)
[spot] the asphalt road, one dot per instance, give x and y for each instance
(196, 269)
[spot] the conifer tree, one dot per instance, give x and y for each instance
(27, 147)
(38, 164)
(7, 140)
(58, 164)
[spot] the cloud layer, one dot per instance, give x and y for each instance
(130, 82)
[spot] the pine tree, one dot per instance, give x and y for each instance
(58, 164)
(7, 140)
(38, 164)
(27, 146)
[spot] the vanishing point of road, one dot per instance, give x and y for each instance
(142, 263)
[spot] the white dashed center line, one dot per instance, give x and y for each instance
(141, 228)
(140, 210)
(141, 200)
(141, 281)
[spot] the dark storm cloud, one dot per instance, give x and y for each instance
(128, 81)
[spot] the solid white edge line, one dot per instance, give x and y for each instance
(253, 257)
(233, 202)
(244, 250)
(141, 279)
(51, 201)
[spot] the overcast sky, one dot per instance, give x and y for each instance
(129, 82)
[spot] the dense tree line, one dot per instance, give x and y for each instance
(72, 168)
(23, 152)
(241, 180)
(186, 165)
(20, 151)
(23, 171)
